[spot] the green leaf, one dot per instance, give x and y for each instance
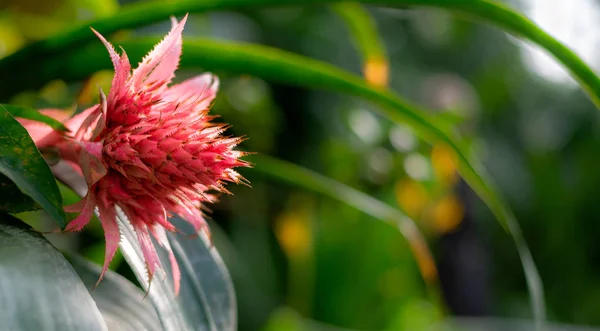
(33, 114)
(40, 290)
(206, 300)
(121, 303)
(22, 162)
(13, 200)
(315, 182)
(364, 34)
(30, 58)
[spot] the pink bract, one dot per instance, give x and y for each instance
(148, 148)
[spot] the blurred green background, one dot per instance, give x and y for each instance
(303, 262)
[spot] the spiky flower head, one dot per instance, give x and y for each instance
(149, 148)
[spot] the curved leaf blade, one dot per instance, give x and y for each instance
(141, 13)
(33, 114)
(39, 289)
(121, 303)
(365, 37)
(315, 182)
(22, 162)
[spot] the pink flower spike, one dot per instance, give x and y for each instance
(112, 235)
(87, 210)
(204, 87)
(159, 65)
(149, 149)
(121, 65)
(148, 250)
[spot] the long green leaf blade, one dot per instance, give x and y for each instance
(22, 162)
(33, 114)
(365, 37)
(312, 181)
(141, 13)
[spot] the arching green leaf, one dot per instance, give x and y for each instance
(142, 13)
(312, 181)
(22, 163)
(365, 37)
(33, 114)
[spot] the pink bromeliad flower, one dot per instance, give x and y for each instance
(148, 148)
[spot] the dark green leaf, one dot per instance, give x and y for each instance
(13, 200)
(39, 289)
(121, 303)
(22, 162)
(33, 114)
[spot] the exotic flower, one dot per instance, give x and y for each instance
(148, 148)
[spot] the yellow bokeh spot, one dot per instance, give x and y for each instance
(293, 233)
(412, 196)
(424, 260)
(10, 39)
(444, 164)
(448, 214)
(376, 71)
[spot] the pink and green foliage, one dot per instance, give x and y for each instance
(150, 158)
(148, 148)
